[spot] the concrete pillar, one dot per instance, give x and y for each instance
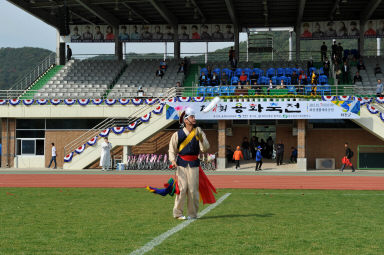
(237, 43)
(301, 155)
(221, 157)
(127, 150)
(378, 46)
(206, 52)
(8, 144)
(165, 50)
(361, 39)
(290, 46)
(176, 44)
(60, 50)
(298, 32)
(118, 45)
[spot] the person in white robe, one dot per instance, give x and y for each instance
(105, 158)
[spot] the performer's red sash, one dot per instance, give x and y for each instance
(205, 186)
(346, 161)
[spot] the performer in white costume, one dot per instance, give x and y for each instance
(105, 158)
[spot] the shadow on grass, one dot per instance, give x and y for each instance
(237, 216)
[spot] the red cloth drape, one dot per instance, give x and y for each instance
(206, 188)
(346, 161)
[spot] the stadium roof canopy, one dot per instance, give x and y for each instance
(244, 13)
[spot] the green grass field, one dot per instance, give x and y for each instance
(119, 221)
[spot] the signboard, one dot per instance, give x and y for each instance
(152, 33)
(347, 29)
(270, 110)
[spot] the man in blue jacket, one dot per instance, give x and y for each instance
(259, 159)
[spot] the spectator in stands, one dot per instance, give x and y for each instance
(326, 66)
(195, 34)
(135, 35)
(253, 145)
(237, 156)
(87, 35)
(245, 146)
(163, 65)
(303, 78)
(204, 33)
(257, 88)
(323, 51)
(231, 54)
(317, 31)
(233, 63)
(306, 33)
(253, 77)
(217, 35)
(353, 31)
(345, 71)
(379, 88)
(98, 34)
(270, 86)
(184, 34)
(169, 34)
(380, 28)
(215, 79)
(282, 85)
(377, 69)
(340, 52)
(294, 78)
(243, 78)
(370, 31)
(145, 34)
(228, 34)
(158, 35)
(330, 32)
(342, 31)
(203, 79)
(181, 67)
(293, 158)
(178, 84)
(357, 78)
(209, 71)
(334, 50)
(360, 66)
(123, 35)
(160, 73)
(69, 53)
(313, 78)
(140, 92)
(247, 85)
(309, 65)
(279, 153)
(224, 78)
(109, 35)
(75, 35)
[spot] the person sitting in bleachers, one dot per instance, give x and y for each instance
(253, 77)
(247, 85)
(224, 78)
(303, 78)
(270, 86)
(203, 79)
(377, 69)
(209, 71)
(239, 89)
(243, 78)
(181, 67)
(215, 79)
(281, 85)
(257, 88)
(357, 78)
(163, 65)
(160, 73)
(140, 92)
(294, 78)
(360, 65)
(178, 84)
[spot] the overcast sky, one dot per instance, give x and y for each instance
(20, 29)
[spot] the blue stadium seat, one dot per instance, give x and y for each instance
(216, 90)
(248, 71)
(275, 80)
(327, 88)
(291, 90)
(205, 70)
(258, 71)
(200, 91)
(224, 91)
(232, 89)
(217, 71)
(271, 72)
(238, 72)
(280, 72)
(288, 72)
(234, 80)
(323, 79)
(311, 69)
(209, 91)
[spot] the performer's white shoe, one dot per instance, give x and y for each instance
(182, 217)
(191, 218)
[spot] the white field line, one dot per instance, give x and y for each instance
(300, 194)
(159, 239)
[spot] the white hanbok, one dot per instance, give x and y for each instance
(105, 158)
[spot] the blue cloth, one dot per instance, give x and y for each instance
(192, 148)
(259, 157)
(294, 153)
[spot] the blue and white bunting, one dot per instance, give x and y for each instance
(199, 99)
(380, 100)
(105, 132)
(132, 126)
(159, 109)
(172, 100)
(92, 141)
(80, 149)
(184, 99)
(55, 101)
(83, 101)
(118, 130)
(42, 101)
(69, 101)
(110, 101)
(14, 101)
(146, 117)
(381, 115)
(150, 101)
(328, 98)
(97, 101)
(28, 101)
(367, 100)
(137, 101)
(68, 158)
(345, 98)
(372, 109)
(3, 101)
(124, 101)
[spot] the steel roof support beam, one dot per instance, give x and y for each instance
(164, 12)
(40, 14)
(100, 13)
(334, 7)
(370, 8)
(199, 10)
(232, 13)
(300, 12)
(136, 13)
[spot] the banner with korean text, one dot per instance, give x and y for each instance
(270, 110)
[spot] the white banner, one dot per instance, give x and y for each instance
(270, 110)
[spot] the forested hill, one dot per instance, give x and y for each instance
(16, 62)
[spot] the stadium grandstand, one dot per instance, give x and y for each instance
(310, 100)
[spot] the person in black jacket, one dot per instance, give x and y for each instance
(347, 159)
(69, 53)
(279, 153)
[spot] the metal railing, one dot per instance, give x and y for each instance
(28, 79)
(114, 122)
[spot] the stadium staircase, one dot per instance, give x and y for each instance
(372, 123)
(143, 132)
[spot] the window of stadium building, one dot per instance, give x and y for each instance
(32, 147)
(30, 137)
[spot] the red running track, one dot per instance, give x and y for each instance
(219, 181)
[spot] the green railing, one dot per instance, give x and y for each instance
(370, 157)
